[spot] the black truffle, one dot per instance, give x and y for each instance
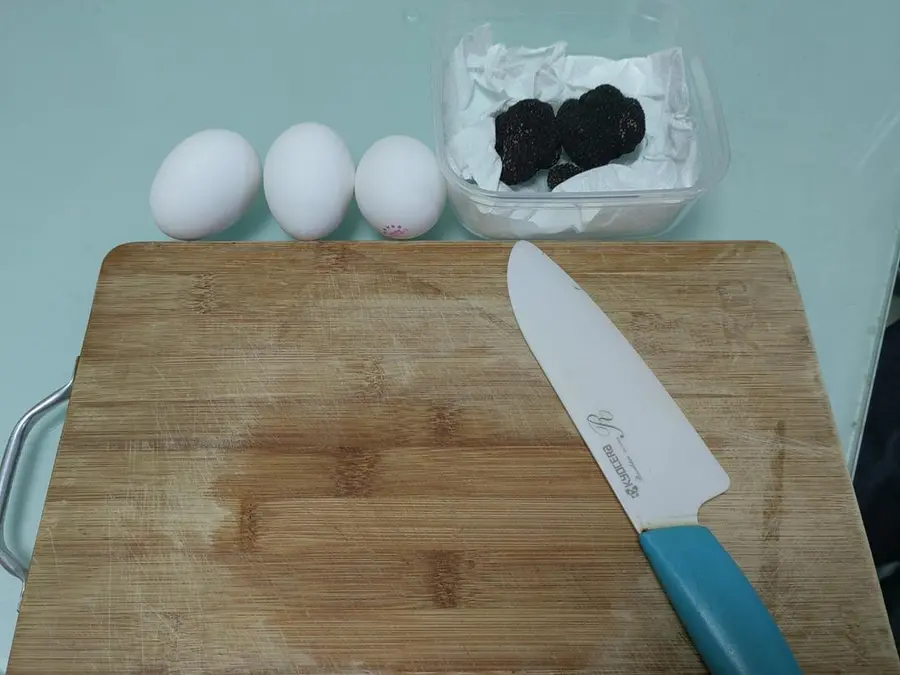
(527, 140)
(601, 126)
(602, 96)
(561, 173)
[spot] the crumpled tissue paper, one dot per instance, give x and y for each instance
(484, 78)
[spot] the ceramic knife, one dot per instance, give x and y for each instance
(657, 464)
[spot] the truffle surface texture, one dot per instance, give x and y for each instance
(600, 127)
(527, 140)
(561, 173)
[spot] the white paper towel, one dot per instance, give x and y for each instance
(484, 78)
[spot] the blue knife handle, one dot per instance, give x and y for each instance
(728, 623)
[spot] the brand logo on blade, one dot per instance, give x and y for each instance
(603, 424)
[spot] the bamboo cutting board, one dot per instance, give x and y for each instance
(342, 459)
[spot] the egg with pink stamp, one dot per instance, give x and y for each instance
(400, 189)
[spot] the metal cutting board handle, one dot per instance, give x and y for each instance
(8, 560)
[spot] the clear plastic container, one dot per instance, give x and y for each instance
(610, 28)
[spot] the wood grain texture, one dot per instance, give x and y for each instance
(342, 458)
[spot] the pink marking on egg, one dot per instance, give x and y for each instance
(394, 231)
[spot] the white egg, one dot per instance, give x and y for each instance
(205, 184)
(399, 187)
(308, 180)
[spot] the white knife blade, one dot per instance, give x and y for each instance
(657, 464)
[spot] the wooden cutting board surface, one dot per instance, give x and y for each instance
(342, 459)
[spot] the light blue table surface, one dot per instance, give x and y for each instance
(93, 94)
